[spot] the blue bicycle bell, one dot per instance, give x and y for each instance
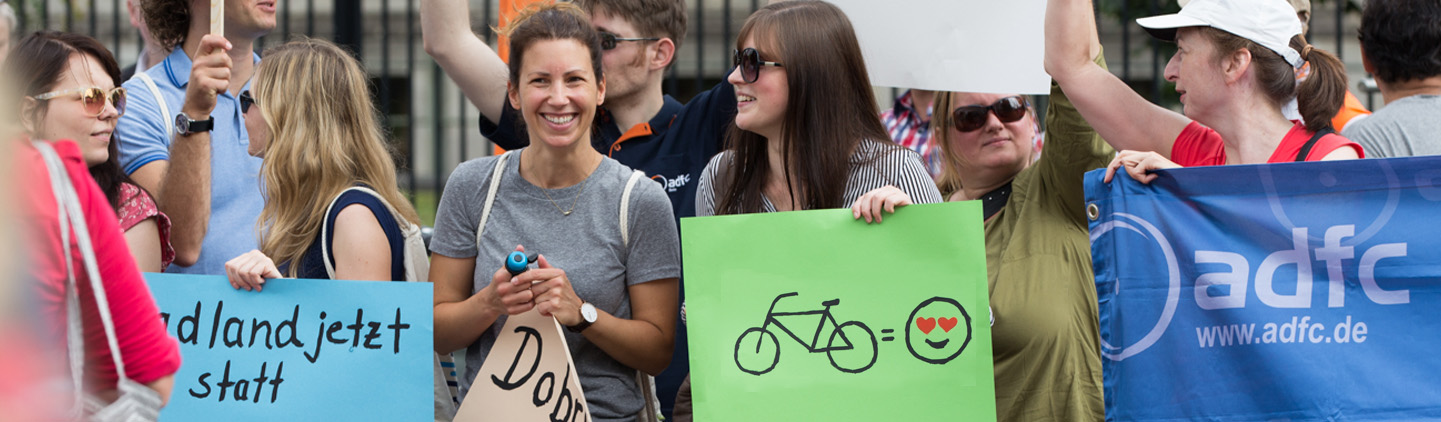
(517, 262)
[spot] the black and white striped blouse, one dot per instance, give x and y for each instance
(896, 166)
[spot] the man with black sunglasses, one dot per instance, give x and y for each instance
(639, 125)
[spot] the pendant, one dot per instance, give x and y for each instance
(566, 213)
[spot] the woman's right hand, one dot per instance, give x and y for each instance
(885, 198)
(249, 271)
(1139, 165)
(504, 296)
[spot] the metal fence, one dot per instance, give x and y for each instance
(434, 128)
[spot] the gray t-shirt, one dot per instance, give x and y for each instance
(587, 244)
(1406, 127)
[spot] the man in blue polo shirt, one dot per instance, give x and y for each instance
(183, 135)
(639, 125)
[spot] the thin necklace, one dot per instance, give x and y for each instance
(572, 202)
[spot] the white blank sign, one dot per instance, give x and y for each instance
(993, 46)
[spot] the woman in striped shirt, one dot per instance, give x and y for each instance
(806, 134)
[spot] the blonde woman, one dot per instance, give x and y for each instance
(310, 118)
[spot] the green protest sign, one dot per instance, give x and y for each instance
(813, 315)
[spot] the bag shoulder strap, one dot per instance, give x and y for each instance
(1306, 149)
(625, 207)
(406, 227)
(70, 215)
(165, 115)
(490, 196)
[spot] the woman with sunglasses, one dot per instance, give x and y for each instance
(612, 283)
(68, 95)
(806, 134)
(1038, 255)
(1235, 70)
(71, 91)
(310, 119)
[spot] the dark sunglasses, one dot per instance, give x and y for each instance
(608, 40)
(749, 61)
(93, 99)
(246, 101)
(970, 118)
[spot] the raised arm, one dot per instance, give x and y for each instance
(445, 28)
(1122, 117)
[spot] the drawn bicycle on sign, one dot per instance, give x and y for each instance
(851, 346)
(936, 332)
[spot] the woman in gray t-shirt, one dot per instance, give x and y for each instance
(613, 285)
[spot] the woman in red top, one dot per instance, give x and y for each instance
(67, 80)
(151, 356)
(1234, 68)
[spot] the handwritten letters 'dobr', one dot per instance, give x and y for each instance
(528, 376)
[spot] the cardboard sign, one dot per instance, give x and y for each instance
(812, 315)
(299, 350)
(953, 45)
(528, 376)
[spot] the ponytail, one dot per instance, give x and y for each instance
(1322, 93)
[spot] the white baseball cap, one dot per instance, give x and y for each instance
(1270, 23)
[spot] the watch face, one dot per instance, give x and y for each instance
(587, 311)
(182, 124)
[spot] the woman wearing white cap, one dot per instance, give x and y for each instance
(1234, 68)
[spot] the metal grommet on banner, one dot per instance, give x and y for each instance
(1093, 211)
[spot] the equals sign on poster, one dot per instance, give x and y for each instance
(888, 338)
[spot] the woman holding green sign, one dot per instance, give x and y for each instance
(1045, 337)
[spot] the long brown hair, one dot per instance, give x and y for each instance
(831, 109)
(325, 138)
(38, 63)
(1318, 97)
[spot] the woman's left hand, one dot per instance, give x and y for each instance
(554, 295)
(871, 204)
(1139, 165)
(249, 271)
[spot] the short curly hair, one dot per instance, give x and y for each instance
(168, 20)
(1402, 38)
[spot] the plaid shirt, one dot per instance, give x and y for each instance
(912, 129)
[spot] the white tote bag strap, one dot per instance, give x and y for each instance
(70, 215)
(490, 196)
(165, 115)
(417, 268)
(625, 207)
(651, 412)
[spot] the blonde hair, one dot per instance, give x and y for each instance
(325, 138)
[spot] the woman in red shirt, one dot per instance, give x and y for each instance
(61, 103)
(1234, 68)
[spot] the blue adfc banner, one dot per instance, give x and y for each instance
(1297, 291)
(299, 350)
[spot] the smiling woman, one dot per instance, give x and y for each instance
(70, 92)
(560, 197)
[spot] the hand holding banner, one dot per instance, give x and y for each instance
(1298, 291)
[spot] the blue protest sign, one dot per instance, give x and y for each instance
(1298, 291)
(299, 350)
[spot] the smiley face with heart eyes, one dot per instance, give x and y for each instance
(938, 330)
